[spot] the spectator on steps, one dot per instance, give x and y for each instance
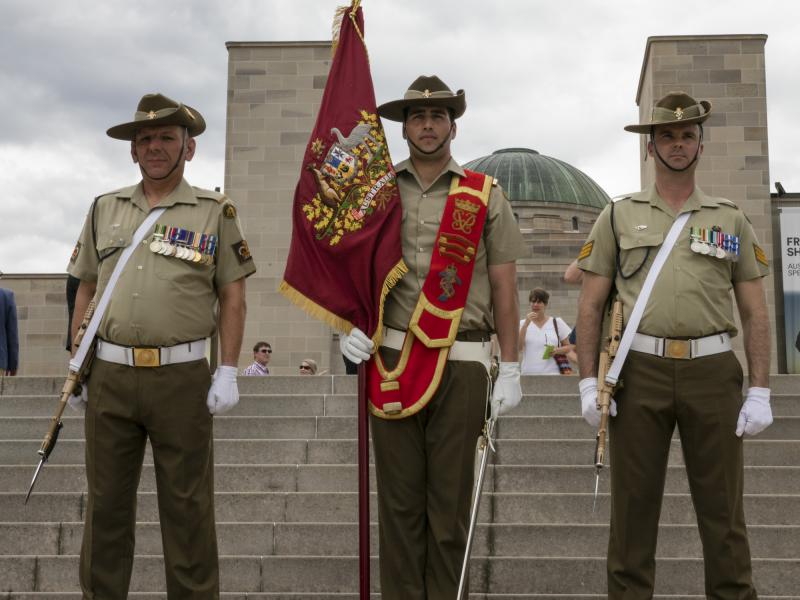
(262, 352)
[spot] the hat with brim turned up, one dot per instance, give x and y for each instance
(676, 108)
(156, 110)
(427, 90)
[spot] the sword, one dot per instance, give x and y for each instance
(485, 442)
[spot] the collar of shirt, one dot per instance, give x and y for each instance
(696, 200)
(182, 194)
(452, 167)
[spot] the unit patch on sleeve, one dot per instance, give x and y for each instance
(229, 211)
(242, 251)
(586, 250)
(75, 253)
(760, 255)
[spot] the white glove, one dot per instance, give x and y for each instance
(224, 392)
(589, 410)
(756, 415)
(507, 389)
(78, 403)
(357, 346)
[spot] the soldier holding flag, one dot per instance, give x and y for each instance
(428, 385)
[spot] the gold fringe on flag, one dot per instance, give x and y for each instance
(338, 323)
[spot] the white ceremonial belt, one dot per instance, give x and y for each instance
(684, 349)
(151, 357)
(468, 351)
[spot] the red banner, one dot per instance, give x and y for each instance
(346, 251)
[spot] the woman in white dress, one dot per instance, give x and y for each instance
(543, 341)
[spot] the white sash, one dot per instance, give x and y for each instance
(100, 309)
(641, 302)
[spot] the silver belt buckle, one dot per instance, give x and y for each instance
(681, 349)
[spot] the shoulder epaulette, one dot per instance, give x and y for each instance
(219, 197)
(117, 191)
(727, 202)
(622, 197)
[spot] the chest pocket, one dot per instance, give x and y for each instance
(635, 249)
(112, 241)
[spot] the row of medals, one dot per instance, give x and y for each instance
(713, 242)
(186, 245)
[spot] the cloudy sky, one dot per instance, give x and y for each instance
(558, 77)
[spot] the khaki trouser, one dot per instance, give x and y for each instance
(703, 396)
(424, 465)
(167, 404)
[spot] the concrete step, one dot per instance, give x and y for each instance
(354, 596)
(258, 427)
(342, 507)
(343, 478)
(345, 384)
(509, 452)
(340, 539)
(302, 575)
(344, 405)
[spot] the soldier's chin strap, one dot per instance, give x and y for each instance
(665, 163)
(435, 150)
(177, 160)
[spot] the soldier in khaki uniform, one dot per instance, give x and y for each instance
(424, 462)
(681, 369)
(150, 377)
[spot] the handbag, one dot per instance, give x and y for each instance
(561, 360)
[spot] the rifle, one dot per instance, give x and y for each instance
(605, 391)
(72, 385)
(485, 442)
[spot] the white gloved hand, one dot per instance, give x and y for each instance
(357, 346)
(589, 410)
(78, 403)
(507, 389)
(756, 415)
(224, 392)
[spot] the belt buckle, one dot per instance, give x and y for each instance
(146, 357)
(680, 349)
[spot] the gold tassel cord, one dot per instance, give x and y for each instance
(394, 276)
(338, 17)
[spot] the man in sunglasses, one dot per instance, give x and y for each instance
(262, 352)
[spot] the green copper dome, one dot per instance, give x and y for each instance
(527, 175)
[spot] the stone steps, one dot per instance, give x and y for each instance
(340, 539)
(286, 505)
(344, 405)
(303, 574)
(509, 452)
(342, 478)
(342, 507)
(330, 428)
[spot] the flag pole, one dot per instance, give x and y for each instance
(363, 484)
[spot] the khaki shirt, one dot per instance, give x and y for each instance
(160, 300)
(691, 297)
(422, 215)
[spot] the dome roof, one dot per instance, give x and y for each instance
(527, 175)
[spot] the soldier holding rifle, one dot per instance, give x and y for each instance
(680, 369)
(150, 377)
(428, 399)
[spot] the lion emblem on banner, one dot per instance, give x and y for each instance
(354, 179)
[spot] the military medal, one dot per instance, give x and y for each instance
(694, 244)
(158, 236)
